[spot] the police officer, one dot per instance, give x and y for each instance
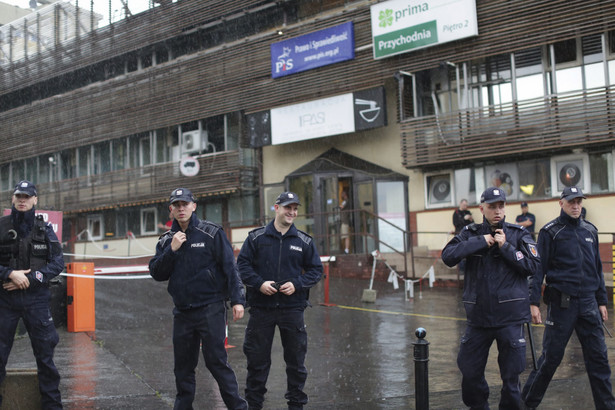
(526, 219)
(279, 264)
(500, 257)
(30, 256)
(197, 259)
(576, 300)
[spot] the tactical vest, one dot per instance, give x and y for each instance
(31, 252)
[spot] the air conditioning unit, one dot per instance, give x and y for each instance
(570, 170)
(194, 141)
(439, 189)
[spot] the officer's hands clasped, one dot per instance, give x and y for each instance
(270, 287)
(498, 237)
(18, 280)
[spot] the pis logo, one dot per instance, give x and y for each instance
(284, 63)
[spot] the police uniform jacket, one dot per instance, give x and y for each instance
(33, 245)
(202, 271)
(570, 259)
(495, 283)
(268, 255)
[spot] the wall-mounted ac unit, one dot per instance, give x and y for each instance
(570, 170)
(439, 189)
(194, 141)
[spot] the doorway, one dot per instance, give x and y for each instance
(340, 196)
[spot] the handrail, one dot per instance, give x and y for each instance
(362, 234)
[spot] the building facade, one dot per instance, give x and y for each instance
(400, 112)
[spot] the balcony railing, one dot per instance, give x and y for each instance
(219, 174)
(562, 121)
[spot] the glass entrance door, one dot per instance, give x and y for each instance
(327, 216)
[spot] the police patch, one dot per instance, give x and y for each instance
(39, 276)
(295, 248)
(519, 255)
(533, 250)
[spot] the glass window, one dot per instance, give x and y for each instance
(31, 170)
(242, 210)
(594, 75)
(102, 157)
(465, 185)
(145, 148)
(95, 227)
(5, 171)
(531, 86)
(68, 164)
(569, 79)
(46, 165)
(600, 172)
(565, 51)
(149, 221)
(120, 154)
(233, 130)
(215, 134)
(391, 208)
(17, 172)
(85, 156)
(534, 179)
(214, 211)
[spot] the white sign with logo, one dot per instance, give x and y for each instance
(313, 119)
(400, 26)
(189, 166)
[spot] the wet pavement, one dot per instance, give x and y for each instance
(360, 355)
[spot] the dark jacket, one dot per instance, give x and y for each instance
(570, 259)
(34, 247)
(459, 220)
(267, 255)
(202, 271)
(495, 291)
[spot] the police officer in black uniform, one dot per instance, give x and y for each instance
(30, 256)
(197, 259)
(576, 300)
(279, 264)
(500, 257)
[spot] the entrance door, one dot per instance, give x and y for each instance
(327, 214)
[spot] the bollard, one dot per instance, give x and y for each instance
(421, 358)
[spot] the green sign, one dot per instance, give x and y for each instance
(406, 39)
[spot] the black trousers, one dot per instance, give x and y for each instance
(257, 348)
(206, 325)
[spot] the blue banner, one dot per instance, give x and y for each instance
(313, 50)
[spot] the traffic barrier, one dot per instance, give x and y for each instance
(81, 301)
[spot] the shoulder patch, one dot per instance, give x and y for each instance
(514, 226)
(255, 233)
(588, 225)
(553, 227)
(304, 237)
(209, 228)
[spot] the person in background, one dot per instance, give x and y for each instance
(462, 216)
(30, 256)
(526, 219)
(576, 300)
(279, 264)
(500, 257)
(345, 219)
(197, 259)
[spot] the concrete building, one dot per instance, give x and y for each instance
(407, 106)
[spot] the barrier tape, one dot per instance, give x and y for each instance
(99, 276)
(107, 257)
